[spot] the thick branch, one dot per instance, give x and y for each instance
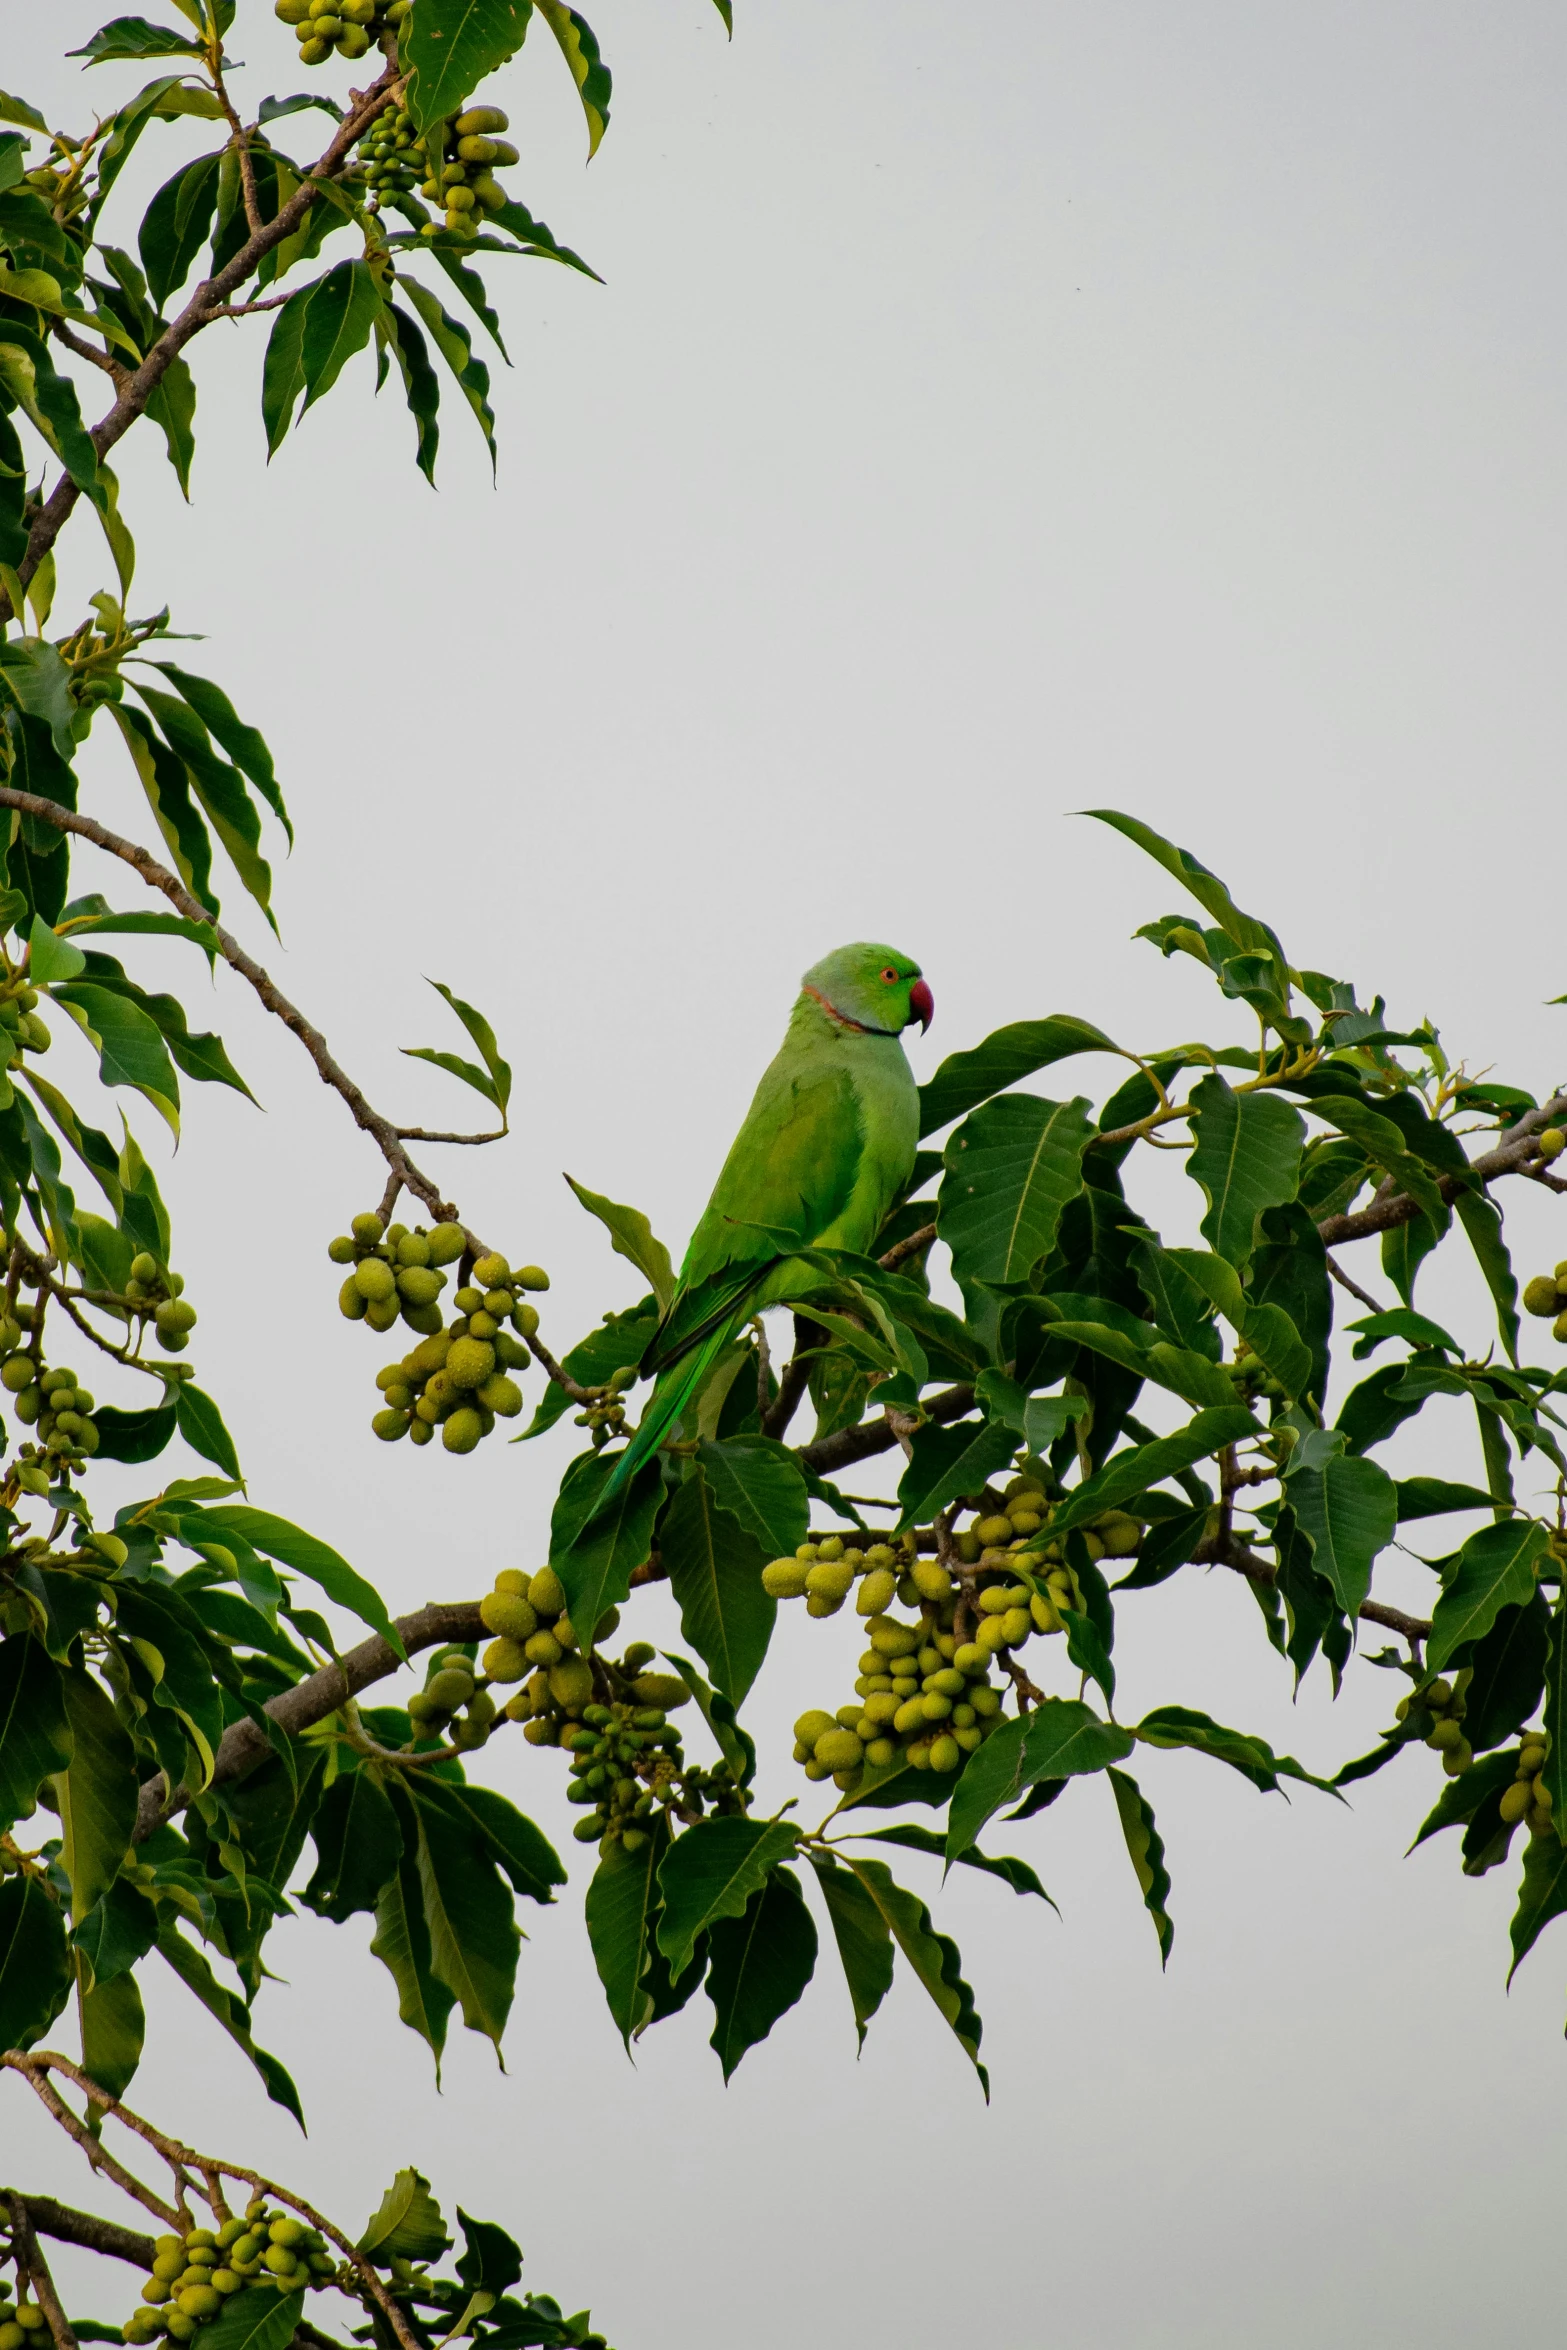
(32, 2267)
(245, 1745)
(86, 2229)
(857, 1444)
(212, 293)
(1391, 1208)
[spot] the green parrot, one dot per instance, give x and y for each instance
(827, 1145)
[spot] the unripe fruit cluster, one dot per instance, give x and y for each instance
(22, 2326)
(50, 1402)
(1546, 1295)
(1441, 1704)
(153, 1293)
(458, 1378)
(1528, 1798)
(392, 156)
(463, 182)
(453, 1687)
(194, 2274)
(25, 1030)
(347, 26)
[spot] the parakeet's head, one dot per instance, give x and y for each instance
(870, 987)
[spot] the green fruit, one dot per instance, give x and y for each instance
(1531, 1760)
(571, 1681)
(420, 1285)
(945, 1753)
(839, 1749)
(501, 1395)
(876, 1592)
(291, 11)
(420, 1431)
(1552, 1143)
(784, 1579)
(381, 1316)
(479, 121)
(892, 1639)
(506, 1660)
(661, 1689)
(1559, 1329)
(489, 1272)
(144, 1268)
(547, 1593)
(375, 1280)
(448, 1689)
(530, 1277)
(543, 1649)
(490, 193)
(462, 1431)
(931, 1580)
(1017, 1624)
(1515, 1801)
(279, 2259)
(447, 1242)
(368, 1228)
(170, 2265)
(470, 1362)
(507, 1613)
(17, 1373)
(390, 1425)
(200, 2301)
(525, 1320)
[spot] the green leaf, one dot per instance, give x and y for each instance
(1059, 1739)
(359, 1847)
(129, 1047)
(97, 1794)
(1129, 1474)
(1246, 1157)
(1482, 1221)
(862, 1935)
(588, 70)
(933, 1957)
(221, 791)
(1243, 930)
(1146, 1852)
(452, 45)
(711, 1872)
(50, 957)
(1462, 1797)
(913, 1838)
(167, 788)
(133, 1436)
(243, 744)
(255, 2318)
(118, 1934)
(947, 1463)
(1496, 1568)
(1192, 1377)
(113, 2028)
(632, 1237)
(1004, 1059)
(1433, 1497)
(35, 1732)
(38, 681)
(1254, 1758)
(133, 36)
(595, 1548)
(1267, 1329)
(1349, 1507)
(715, 1575)
(232, 2013)
(1010, 1170)
(759, 1484)
(402, 1944)
(452, 339)
(397, 333)
(283, 368)
(407, 2224)
(474, 1937)
(534, 237)
(35, 1962)
(1507, 1674)
(344, 306)
(1542, 1895)
(734, 1744)
(621, 1914)
(18, 110)
(760, 1964)
(505, 1835)
(291, 1547)
(176, 226)
(201, 1425)
(494, 1080)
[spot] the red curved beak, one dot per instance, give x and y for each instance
(922, 1004)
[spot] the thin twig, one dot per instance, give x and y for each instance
(857, 1444)
(1233, 1553)
(1354, 1288)
(34, 2072)
(808, 1337)
(424, 1134)
(901, 1250)
(104, 359)
(31, 2264)
(249, 309)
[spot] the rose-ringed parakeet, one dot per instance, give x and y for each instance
(827, 1145)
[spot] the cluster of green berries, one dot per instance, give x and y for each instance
(194, 2274)
(463, 181)
(392, 157)
(49, 1401)
(348, 26)
(21, 2325)
(454, 1703)
(1528, 1798)
(156, 1295)
(26, 1030)
(1441, 1705)
(458, 1378)
(1546, 1295)
(924, 1694)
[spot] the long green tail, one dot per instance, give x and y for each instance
(671, 1394)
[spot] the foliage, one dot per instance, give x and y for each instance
(173, 1700)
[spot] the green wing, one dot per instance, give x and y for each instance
(793, 1168)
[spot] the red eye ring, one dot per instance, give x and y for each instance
(889, 976)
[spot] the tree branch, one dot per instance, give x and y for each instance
(86, 2230)
(808, 1336)
(210, 296)
(245, 1744)
(1230, 1551)
(857, 1444)
(1391, 1208)
(31, 2265)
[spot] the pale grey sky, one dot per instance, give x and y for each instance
(987, 415)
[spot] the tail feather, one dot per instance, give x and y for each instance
(668, 1401)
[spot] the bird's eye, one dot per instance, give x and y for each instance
(889, 976)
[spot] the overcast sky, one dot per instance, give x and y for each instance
(987, 415)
